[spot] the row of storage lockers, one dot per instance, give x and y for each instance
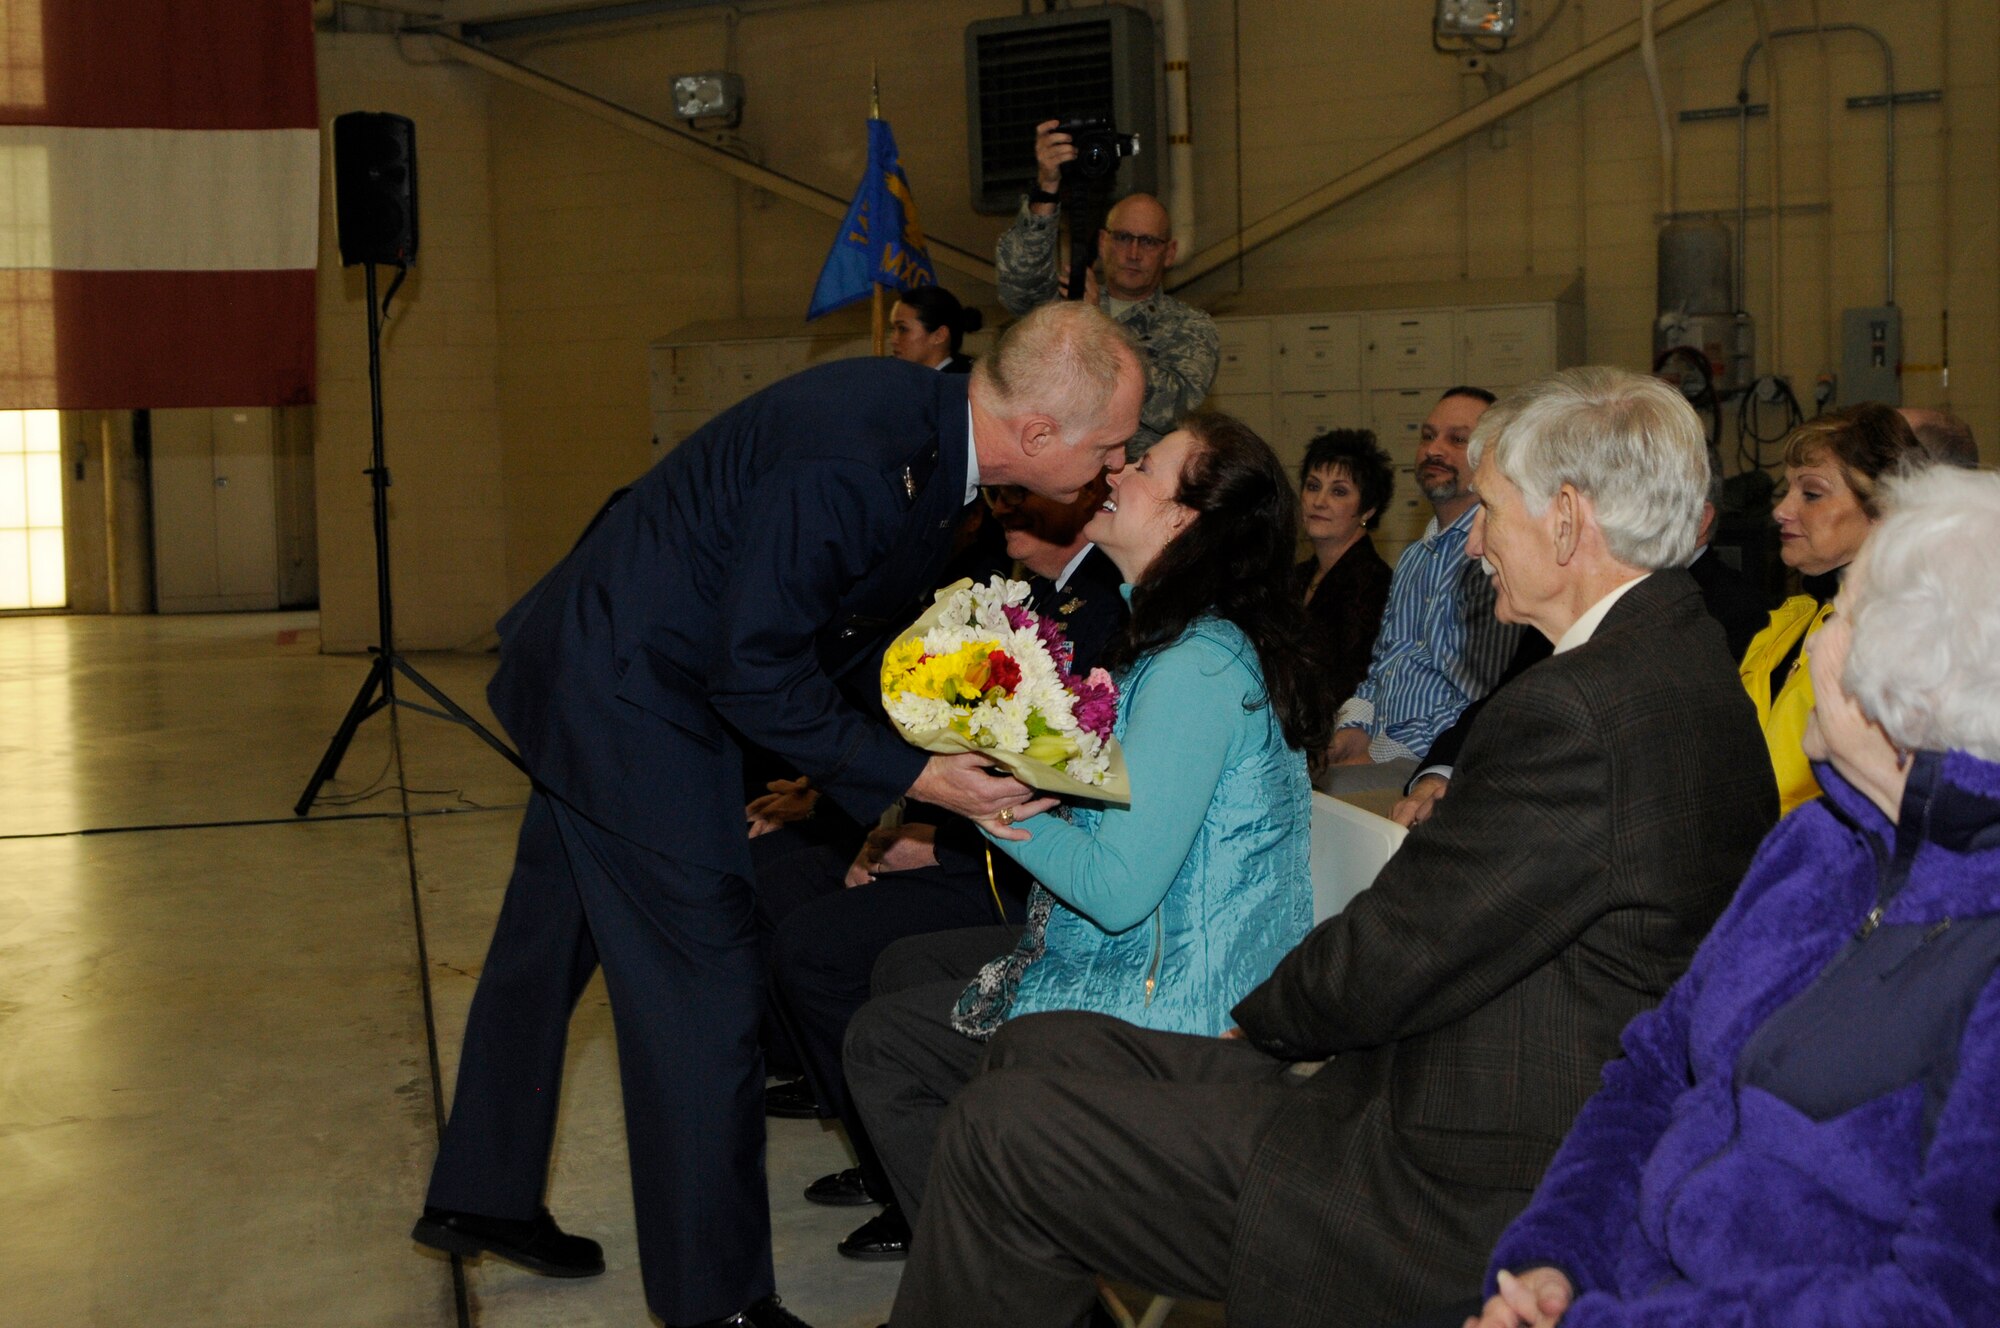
(1289, 377)
(1293, 378)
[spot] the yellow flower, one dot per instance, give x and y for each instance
(900, 659)
(958, 677)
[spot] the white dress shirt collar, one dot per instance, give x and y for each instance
(971, 459)
(1074, 563)
(1586, 627)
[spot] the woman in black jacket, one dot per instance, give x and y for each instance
(1344, 487)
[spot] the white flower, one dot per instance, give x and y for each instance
(977, 613)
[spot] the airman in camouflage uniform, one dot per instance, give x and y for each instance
(1136, 245)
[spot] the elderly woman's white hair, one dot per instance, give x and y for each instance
(1925, 657)
(1627, 441)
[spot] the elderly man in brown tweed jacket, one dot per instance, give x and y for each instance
(1607, 802)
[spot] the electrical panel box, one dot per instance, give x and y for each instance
(1871, 355)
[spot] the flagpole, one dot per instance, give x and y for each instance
(879, 320)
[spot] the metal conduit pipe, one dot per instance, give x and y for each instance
(1592, 55)
(1180, 124)
(1888, 151)
(1649, 56)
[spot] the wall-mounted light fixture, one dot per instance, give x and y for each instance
(715, 95)
(1477, 18)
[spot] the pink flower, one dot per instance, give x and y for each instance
(1096, 702)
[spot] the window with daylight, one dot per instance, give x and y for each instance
(32, 574)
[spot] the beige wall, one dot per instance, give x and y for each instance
(107, 538)
(439, 372)
(556, 247)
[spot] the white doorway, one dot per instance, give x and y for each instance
(33, 568)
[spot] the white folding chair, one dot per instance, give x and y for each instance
(1349, 847)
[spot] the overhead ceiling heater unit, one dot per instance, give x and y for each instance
(1058, 66)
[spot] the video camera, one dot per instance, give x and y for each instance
(1099, 147)
(1086, 188)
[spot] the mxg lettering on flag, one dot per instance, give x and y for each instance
(880, 240)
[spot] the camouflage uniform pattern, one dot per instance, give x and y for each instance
(1180, 341)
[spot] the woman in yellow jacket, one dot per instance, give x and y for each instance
(1826, 508)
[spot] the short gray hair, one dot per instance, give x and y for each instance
(1925, 658)
(1064, 359)
(1945, 437)
(1626, 441)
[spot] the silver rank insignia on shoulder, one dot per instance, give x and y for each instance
(909, 483)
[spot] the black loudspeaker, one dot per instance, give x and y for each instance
(375, 187)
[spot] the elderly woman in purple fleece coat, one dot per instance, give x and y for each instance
(1806, 1132)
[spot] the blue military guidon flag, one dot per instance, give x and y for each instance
(879, 240)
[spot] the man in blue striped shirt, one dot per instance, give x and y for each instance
(1440, 648)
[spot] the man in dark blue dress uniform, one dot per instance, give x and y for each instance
(715, 601)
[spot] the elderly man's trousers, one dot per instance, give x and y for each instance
(1087, 1146)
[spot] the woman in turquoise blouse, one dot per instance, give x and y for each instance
(1167, 912)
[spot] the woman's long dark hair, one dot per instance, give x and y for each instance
(1234, 561)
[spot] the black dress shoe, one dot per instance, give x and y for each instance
(881, 1238)
(791, 1100)
(769, 1312)
(841, 1189)
(536, 1244)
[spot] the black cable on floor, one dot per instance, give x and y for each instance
(251, 822)
(458, 1290)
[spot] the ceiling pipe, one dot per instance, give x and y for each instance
(1584, 60)
(689, 145)
(566, 20)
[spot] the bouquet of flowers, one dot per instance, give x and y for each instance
(982, 672)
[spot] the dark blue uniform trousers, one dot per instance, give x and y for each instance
(679, 949)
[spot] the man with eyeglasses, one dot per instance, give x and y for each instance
(1135, 248)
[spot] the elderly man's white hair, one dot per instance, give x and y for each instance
(1063, 360)
(1627, 441)
(1925, 659)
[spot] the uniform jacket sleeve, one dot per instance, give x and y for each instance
(811, 531)
(1025, 260)
(1181, 350)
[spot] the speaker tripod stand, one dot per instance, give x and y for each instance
(378, 690)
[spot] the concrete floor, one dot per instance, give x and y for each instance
(216, 1060)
